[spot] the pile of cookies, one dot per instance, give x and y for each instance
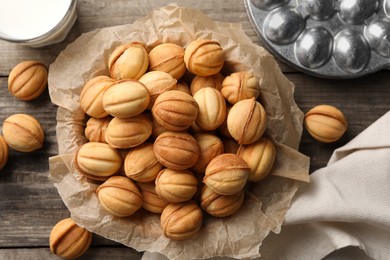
(169, 133)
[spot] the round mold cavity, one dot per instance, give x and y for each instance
(356, 11)
(320, 10)
(283, 25)
(378, 36)
(268, 5)
(351, 51)
(314, 47)
(386, 7)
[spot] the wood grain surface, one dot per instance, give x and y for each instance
(29, 203)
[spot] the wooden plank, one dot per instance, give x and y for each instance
(96, 253)
(118, 253)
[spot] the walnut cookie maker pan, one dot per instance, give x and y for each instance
(325, 38)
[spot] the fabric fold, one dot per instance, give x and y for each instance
(347, 204)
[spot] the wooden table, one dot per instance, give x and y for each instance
(29, 203)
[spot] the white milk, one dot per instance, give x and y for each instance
(27, 19)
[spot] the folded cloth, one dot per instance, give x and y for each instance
(347, 204)
(344, 213)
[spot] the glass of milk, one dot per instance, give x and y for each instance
(36, 23)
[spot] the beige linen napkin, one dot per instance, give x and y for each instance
(345, 210)
(346, 204)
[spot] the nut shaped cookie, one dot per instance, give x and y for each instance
(3, 152)
(212, 108)
(23, 133)
(195, 129)
(181, 221)
(226, 174)
(168, 57)
(141, 164)
(97, 161)
(210, 147)
(27, 80)
(218, 205)
(157, 82)
(240, 85)
(182, 86)
(176, 186)
(123, 133)
(247, 121)
(126, 98)
(204, 57)
(91, 96)
(213, 81)
(157, 128)
(151, 201)
(176, 150)
(325, 123)
(119, 196)
(175, 110)
(95, 129)
(128, 61)
(260, 157)
(223, 128)
(68, 240)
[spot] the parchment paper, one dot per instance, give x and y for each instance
(266, 203)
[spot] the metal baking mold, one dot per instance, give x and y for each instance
(325, 38)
